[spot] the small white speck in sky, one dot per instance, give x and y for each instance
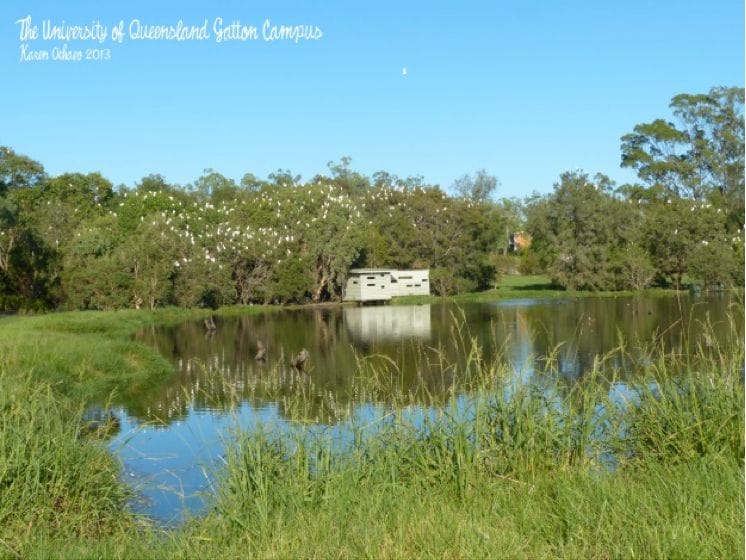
(404, 72)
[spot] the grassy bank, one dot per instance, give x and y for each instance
(86, 354)
(526, 473)
(522, 286)
(513, 481)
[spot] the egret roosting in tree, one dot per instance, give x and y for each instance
(261, 351)
(299, 360)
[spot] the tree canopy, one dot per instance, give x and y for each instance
(73, 241)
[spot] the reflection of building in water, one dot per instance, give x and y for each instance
(390, 322)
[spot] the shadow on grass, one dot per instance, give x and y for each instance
(537, 287)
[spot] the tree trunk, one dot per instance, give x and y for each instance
(320, 288)
(5, 258)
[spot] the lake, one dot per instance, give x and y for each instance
(172, 435)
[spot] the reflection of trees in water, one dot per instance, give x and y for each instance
(219, 371)
(589, 328)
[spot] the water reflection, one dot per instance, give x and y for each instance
(173, 434)
(370, 325)
(218, 372)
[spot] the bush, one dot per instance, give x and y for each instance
(529, 263)
(635, 270)
(290, 281)
(445, 283)
(717, 265)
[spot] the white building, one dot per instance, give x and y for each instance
(381, 284)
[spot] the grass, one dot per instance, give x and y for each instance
(89, 354)
(523, 286)
(523, 473)
(51, 480)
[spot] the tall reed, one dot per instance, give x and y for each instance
(54, 479)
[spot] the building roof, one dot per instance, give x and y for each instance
(370, 270)
(384, 270)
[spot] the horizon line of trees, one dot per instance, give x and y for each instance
(73, 241)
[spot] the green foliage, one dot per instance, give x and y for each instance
(478, 188)
(579, 233)
(51, 477)
(423, 228)
(688, 218)
(72, 241)
(701, 157)
(718, 264)
(635, 270)
(445, 283)
(289, 281)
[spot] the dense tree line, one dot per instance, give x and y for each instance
(685, 217)
(75, 241)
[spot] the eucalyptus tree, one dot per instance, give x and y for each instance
(346, 178)
(424, 228)
(701, 156)
(479, 187)
(693, 172)
(329, 227)
(215, 187)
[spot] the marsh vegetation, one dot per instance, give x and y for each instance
(645, 462)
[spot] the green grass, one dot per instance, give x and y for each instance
(525, 476)
(695, 512)
(523, 286)
(457, 490)
(51, 480)
(89, 354)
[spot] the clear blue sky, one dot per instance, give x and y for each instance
(525, 89)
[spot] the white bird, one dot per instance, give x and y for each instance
(404, 72)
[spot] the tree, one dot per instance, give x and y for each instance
(701, 157)
(694, 193)
(424, 228)
(251, 183)
(343, 176)
(27, 276)
(477, 188)
(673, 229)
(18, 171)
(66, 201)
(93, 277)
(580, 233)
(334, 242)
(283, 178)
(215, 187)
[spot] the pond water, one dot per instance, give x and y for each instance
(173, 435)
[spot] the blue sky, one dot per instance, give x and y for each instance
(524, 89)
